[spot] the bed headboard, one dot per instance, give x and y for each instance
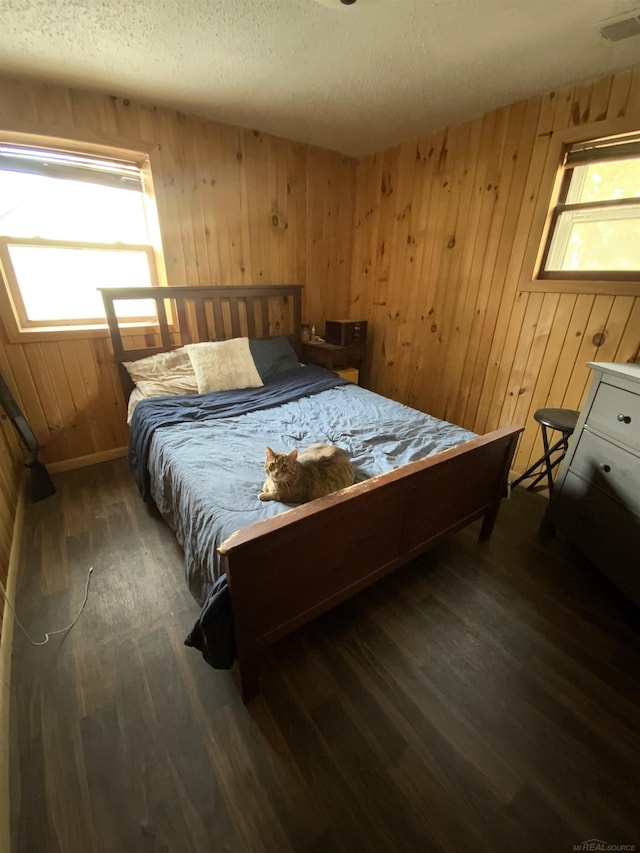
(185, 315)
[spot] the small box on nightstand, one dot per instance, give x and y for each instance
(343, 333)
(352, 374)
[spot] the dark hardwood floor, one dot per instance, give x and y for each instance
(484, 698)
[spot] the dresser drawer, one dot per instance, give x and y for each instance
(605, 532)
(616, 413)
(608, 466)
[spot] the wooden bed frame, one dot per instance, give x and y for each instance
(287, 570)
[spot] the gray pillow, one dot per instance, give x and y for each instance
(273, 356)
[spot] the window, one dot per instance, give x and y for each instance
(594, 232)
(70, 223)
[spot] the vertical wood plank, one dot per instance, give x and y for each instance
(201, 319)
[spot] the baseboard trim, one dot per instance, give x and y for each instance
(85, 461)
(6, 645)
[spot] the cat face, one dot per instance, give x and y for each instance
(280, 466)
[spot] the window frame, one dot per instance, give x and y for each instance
(554, 181)
(17, 325)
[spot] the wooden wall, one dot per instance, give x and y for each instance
(235, 207)
(431, 258)
(440, 230)
(10, 471)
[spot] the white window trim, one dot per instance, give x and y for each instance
(550, 186)
(18, 328)
(13, 286)
(565, 224)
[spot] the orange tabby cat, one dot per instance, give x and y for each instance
(295, 478)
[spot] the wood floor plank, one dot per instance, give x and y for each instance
(483, 698)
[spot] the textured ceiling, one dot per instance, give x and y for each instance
(355, 78)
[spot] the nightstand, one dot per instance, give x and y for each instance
(334, 357)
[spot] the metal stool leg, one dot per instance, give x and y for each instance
(561, 444)
(547, 460)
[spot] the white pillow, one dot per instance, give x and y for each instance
(164, 374)
(224, 365)
(134, 399)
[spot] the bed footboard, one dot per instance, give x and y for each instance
(286, 571)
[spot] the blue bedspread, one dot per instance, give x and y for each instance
(150, 415)
(201, 458)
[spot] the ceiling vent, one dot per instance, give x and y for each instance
(624, 28)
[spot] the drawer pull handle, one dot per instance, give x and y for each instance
(624, 419)
(604, 467)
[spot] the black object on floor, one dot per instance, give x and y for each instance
(40, 483)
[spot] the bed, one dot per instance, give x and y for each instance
(259, 570)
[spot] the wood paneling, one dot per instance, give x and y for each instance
(235, 207)
(432, 259)
(440, 232)
(10, 471)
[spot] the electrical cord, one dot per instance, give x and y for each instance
(49, 633)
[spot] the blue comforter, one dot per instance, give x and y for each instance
(150, 415)
(201, 459)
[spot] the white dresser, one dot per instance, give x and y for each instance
(596, 500)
